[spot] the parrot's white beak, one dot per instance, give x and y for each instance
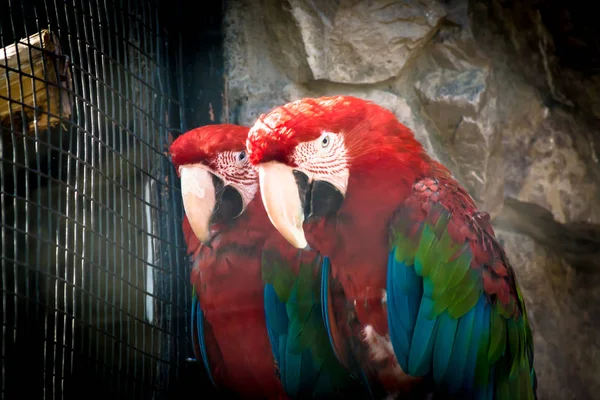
(281, 198)
(198, 193)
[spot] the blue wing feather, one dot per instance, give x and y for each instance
(193, 327)
(444, 342)
(198, 320)
(430, 343)
(293, 372)
(309, 375)
(325, 271)
(491, 387)
(473, 348)
(421, 349)
(442, 252)
(282, 360)
(397, 305)
(485, 335)
(403, 299)
(458, 359)
(298, 371)
(277, 322)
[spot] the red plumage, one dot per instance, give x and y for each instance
(204, 143)
(404, 174)
(389, 171)
(227, 277)
(383, 142)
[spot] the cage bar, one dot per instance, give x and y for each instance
(95, 278)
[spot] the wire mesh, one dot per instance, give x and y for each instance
(94, 290)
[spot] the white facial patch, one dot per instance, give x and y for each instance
(237, 173)
(325, 159)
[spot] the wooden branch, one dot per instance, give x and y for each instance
(35, 82)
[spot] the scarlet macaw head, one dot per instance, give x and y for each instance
(217, 181)
(310, 152)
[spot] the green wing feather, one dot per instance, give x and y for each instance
(307, 364)
(448, 304)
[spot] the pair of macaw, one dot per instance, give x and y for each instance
(333, 256)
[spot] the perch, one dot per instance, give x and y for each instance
(35, 80)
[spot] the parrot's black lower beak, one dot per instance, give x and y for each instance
(319, 199)
(229, 204)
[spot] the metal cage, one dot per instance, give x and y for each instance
(95, 281)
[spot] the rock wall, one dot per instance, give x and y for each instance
(483, 86)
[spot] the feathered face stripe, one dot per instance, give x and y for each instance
(234, 169)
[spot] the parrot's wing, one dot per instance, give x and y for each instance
(198, 335)
(455, 312)
(307, 364)
(340, 338)
(198, 323)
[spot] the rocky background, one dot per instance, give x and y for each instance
(505, 93)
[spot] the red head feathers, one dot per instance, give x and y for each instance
(369, 131)
(217, 181)
(318, 146)
(201, 145)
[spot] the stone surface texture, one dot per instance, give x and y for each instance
(499, 91)
(562, 307)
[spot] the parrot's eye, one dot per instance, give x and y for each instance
(325, 141)
(241, 156)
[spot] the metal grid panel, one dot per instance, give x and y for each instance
(94, 293)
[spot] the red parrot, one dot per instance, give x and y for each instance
(256, 313)
(228, 317)
(418, 294)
